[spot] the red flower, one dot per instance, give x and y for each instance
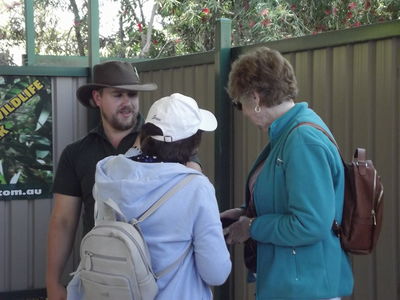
(140, 27)
(357, 24)
(264, 12)
(352, 5)
(328, 12)
(266, 22)
(349, 15)
(205, 11)
(155, 42)
(367, 5)
(293, 7)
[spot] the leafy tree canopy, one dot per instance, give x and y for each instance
(175, 27)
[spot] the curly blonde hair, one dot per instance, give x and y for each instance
(265, 71)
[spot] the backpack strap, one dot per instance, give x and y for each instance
(360, 158)
(105, 209)
(336, 228)
(165, 197)
(319, 128)
(154, 207)
(175, 263)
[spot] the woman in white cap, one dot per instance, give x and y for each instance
(189, 221)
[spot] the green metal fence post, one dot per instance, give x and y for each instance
(94, 41)
(94, 58)
(223, 134)
(29, 33)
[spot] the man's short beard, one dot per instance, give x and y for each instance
(116, 124)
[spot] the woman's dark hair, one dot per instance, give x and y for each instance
(180, 151)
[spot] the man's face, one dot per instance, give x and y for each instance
(119, 108)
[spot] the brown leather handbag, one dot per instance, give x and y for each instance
(363, 202)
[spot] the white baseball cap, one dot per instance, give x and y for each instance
(179, 117)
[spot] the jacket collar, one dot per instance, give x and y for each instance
(285, 122)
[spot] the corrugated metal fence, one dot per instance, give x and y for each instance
(353, 86)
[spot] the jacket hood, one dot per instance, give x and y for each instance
(135, 186)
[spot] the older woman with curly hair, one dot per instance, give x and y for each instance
(295, 188)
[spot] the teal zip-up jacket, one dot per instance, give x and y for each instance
(298, 194)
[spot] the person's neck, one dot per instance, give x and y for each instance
(113, 135)
(282, 108)
(275, 112)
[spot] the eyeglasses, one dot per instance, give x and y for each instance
(237, 104)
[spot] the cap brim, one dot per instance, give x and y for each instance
(208, 121)
(84, 93)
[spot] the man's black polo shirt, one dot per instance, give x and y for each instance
(77, 166)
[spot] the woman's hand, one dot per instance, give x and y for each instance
(238, 232)
(233, 213)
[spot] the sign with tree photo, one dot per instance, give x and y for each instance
(26, 156)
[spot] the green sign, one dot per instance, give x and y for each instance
(26, 156)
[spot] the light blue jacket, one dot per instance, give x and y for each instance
(190, 216)
(297, 196)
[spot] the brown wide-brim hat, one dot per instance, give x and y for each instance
(115, 74)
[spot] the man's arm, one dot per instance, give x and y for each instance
(62, 229)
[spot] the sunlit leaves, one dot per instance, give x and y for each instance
(26, 151)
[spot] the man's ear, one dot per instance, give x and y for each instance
(95, 98)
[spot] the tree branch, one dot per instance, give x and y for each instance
(146, 48)
(77, 25)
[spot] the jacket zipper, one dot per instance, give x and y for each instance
(90, 254)
(373, 212)
(295, 263)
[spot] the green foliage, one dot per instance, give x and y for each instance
(12, 32)
(192, 23)
(26, 152)
(50, 39)
(188, 26)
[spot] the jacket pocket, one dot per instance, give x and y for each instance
(311, 267)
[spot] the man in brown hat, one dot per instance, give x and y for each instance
(114, 92)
